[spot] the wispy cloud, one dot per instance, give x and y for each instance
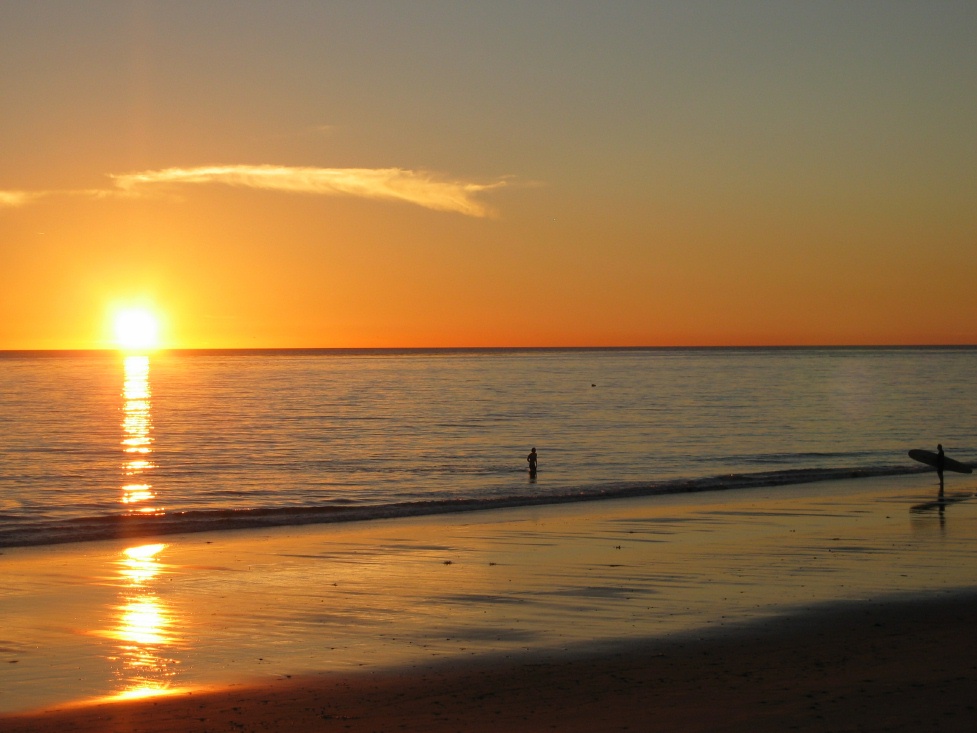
(391, 184)
(13, 199)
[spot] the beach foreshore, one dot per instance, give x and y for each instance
(906, 665)
(851, 600)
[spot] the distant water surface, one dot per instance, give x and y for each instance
(96, 445)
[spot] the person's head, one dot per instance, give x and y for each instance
(533, 450)
(939, 447)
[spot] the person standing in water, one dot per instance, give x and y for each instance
(939, 465)
(531, 458)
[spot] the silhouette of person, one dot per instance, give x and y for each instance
(939, 465)
(531, 458)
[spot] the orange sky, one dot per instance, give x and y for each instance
(435, 174)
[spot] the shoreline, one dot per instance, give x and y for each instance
(546, 584)
(110, 527)
(897, 665)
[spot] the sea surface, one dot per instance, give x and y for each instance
(100, 445)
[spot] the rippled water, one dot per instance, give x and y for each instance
(180, 441)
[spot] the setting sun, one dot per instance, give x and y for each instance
(136, 329)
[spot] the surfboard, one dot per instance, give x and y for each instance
(932, 459)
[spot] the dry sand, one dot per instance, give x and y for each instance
(771, 609)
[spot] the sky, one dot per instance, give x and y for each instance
(439, 174)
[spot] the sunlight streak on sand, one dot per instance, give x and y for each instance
(235, 605)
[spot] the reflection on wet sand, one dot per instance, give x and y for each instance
(923, 513)
(143, 626)
(402, 592)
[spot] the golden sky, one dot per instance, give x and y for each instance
(489, 174)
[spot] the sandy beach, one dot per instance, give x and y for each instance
(839, 606)
(902, 666)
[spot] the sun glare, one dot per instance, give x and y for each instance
(136, 329)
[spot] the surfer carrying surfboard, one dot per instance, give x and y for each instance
(940, 462)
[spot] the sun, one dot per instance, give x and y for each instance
(136, 329)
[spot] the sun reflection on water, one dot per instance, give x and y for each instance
(137, 440)
(142, 623)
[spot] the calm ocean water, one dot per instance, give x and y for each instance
(101, 445)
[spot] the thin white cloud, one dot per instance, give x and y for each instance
(390, 184)
(13, 199)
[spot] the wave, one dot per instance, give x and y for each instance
(22, 533)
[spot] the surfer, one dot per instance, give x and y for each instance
(940, 462)
(531, 458)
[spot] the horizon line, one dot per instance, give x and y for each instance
(257, 350)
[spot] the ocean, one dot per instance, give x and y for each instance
(102, 445)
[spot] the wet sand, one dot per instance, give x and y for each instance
(899, 666)
(706, 610)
